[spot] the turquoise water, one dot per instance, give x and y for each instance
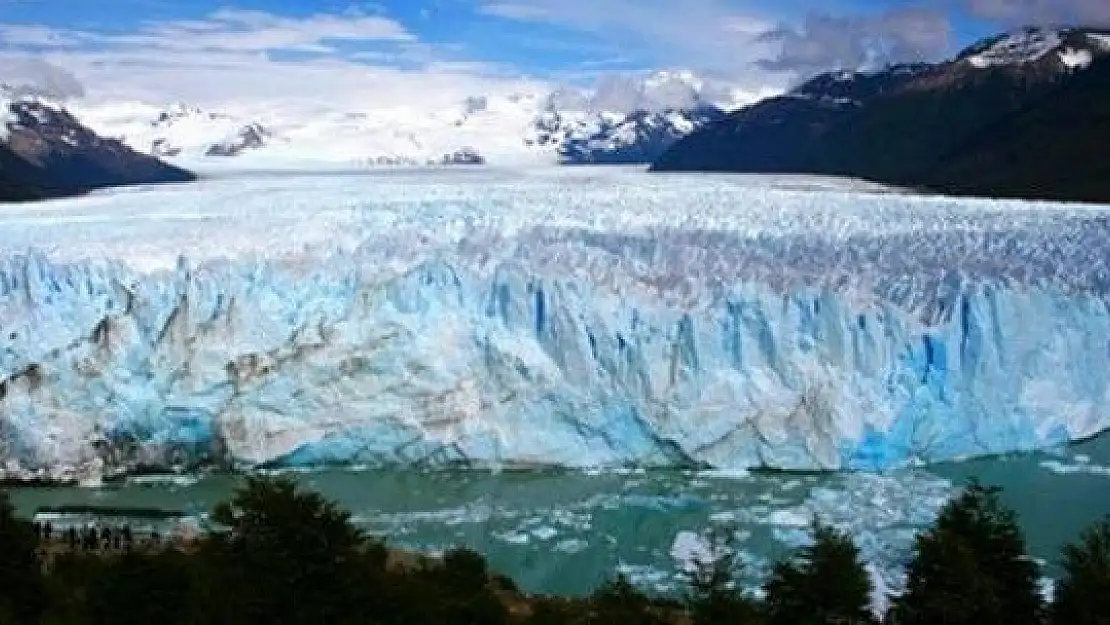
(565, 532)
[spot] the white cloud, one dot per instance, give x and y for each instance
(827, 42)
(219, 79)
(35, 76)
(710, 35)
(40, 36)
(696, 26)
(516, 11)
(1024, 12)
(257, 31)
(234, 54)
(231, 55)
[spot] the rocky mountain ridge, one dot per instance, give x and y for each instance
(46, 152)
(1021, 114)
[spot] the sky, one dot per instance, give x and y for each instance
(394, 51)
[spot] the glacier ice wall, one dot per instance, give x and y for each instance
(795, 329)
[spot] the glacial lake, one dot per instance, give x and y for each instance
(566, 532)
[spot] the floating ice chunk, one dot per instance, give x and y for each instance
(790, 485)
(545, 533)
(513, 538)
(790, 518)
(725, 474)
(1082, 468)
(571, 545)
(647, 576)
(164, 480)
(690, 549)
(1047, 587)
(881, 593)
(880, 512)
(468, 514)
(792, 536)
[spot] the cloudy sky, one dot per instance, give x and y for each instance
(391, 51)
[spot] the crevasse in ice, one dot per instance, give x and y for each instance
(555, 322)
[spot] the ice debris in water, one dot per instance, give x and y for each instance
(883, 514)
(690, 549)
(1079, 468)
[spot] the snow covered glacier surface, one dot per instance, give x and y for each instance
(586, 318)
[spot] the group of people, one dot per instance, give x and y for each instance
(91, 538)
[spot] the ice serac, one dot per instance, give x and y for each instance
(501, 338)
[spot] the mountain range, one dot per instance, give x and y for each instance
(1023, 114)
(50, 147)
(623, 120)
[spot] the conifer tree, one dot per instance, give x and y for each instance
(287, 557)
(1083, 594)
(714, 594)
(971, 568)
(22, 591)
(823, 583)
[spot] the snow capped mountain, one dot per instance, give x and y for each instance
(1062, 48)
(628, 119)
(45, 152)
(250, 137)
(27, 119)
(8, 116)
(1023, 50)
(854, 88)
(1014, 115)
(1023, 46)
(267, 134)
(638, 137)
(175, 131)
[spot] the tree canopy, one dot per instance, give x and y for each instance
(1083, 594)
(823, 583)
(971, 567)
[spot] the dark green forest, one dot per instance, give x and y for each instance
(285, 556)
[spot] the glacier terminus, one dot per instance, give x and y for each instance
(583, 318)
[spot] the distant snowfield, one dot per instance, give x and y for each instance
(319, 136)
(250, 207)
(525, 124)
(586, 317)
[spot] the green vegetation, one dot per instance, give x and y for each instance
(22, 595)
(824, 583)
(285, 556)
(972, 568)
(1081, 596)
(714, 596)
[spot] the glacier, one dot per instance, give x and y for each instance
(594, 318)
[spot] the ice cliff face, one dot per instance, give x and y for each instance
(590, 321)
